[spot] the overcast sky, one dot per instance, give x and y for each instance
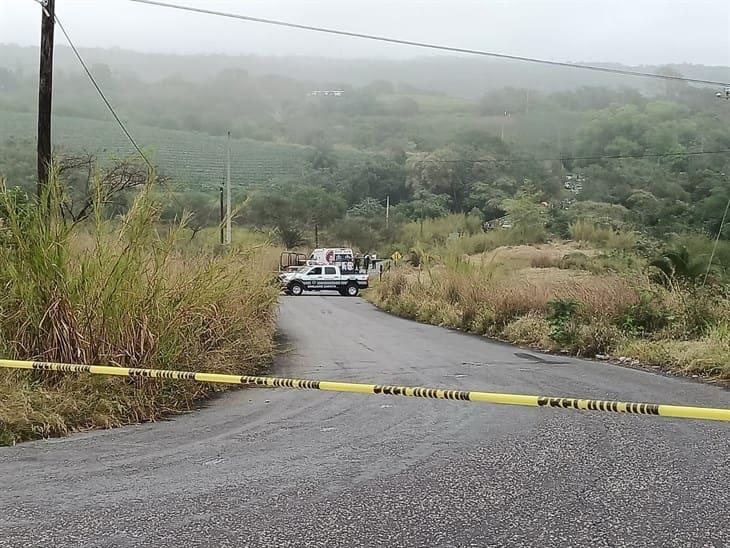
(626, 31)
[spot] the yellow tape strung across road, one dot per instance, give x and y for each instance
(677, 411)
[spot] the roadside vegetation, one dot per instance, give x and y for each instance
(129, 291)
(604, 293)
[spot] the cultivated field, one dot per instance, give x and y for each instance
(188, 158)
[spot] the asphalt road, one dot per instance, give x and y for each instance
(305, 468)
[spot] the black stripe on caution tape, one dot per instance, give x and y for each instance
(599, 405)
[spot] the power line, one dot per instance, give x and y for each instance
(429, 45)
(101, 94)
(108, 104)
(717, 241)
(576, 158)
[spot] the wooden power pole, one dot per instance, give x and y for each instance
(45, 93)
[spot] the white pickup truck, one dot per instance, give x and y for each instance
(323, 277)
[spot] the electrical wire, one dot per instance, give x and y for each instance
(102, 95)
(717, 242)
(426, 45)
(578, 158)
(109, 105)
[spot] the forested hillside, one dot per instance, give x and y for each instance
(649, 156)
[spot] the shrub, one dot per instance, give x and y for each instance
(574, 260)
(530, 330)
(543, 260)
(436, 232)
(475, 243)
(584, 230)
(562, 321)
(393, 285)
(622, 241)
(598, 336)
(646, 316)
(451, 290)
(680, 263)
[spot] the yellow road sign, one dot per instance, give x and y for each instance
(396, 256)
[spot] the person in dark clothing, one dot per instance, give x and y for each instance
(366, 262)
(356, 260)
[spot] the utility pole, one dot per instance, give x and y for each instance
(501, 133)
(45, 93)
(223, 216)
(387, 210)
(228, 192)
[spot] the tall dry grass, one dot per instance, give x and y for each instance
(613, 313)
(120, 293)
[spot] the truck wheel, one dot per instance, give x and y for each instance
(352, 290)
(296, 289)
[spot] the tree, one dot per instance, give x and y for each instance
(527, 214)
(440, 172)
(425, 205)
(376, 178)
(368, 208)
(323, 157)
(316, 205)
(673, 89)
(488, 196)
(86, 185)
(290, 210)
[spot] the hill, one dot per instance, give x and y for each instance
(454, 75)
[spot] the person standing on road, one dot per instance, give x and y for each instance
(366, 262)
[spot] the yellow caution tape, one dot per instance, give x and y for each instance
(677, 411)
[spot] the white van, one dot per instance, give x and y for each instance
(338, 256)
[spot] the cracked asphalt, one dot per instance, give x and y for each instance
(264, 467)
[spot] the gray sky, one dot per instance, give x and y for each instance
(626, 31)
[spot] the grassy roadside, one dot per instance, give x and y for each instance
(127, 294)
(560, 300)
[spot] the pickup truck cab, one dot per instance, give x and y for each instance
(323, 277)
